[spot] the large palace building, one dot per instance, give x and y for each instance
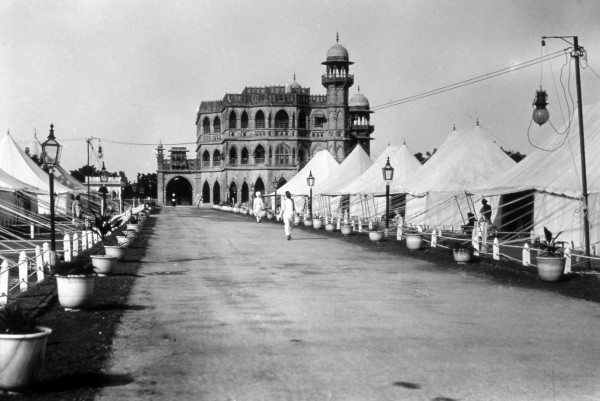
(260, 138)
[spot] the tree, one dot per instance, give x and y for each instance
(423, 159)
(516, 156)
(147, 185)
(84, 171)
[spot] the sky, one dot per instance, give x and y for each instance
(131, 74)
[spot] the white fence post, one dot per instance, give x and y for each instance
(84, 240)
(496, 249)
(23, 273)
(67, 248)
(567, 261)
(399, 233)
(31, 231)
(434, 239)
(75, 245)
(4, 282)
(526, 255)
(39, 264)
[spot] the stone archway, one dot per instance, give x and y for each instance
(216, 193)
(180, 188)
(206, 193)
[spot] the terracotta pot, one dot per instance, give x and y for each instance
(346, 230)
(317, 223)
(263, 213)
(103, 264)
(297, 220)
(21, 358)
(308, 222)
(376, 236)
(124, 240)
(414, 241)
(550, 268)
(462, 255)
(329, 227)
(270, 216)
(75, 292)
(116, 251)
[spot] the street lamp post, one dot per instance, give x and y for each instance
(310, 180)
(388, 175)
(541, 116)
(51, 151)
(103, 189)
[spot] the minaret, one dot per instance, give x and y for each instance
(360, 122)
(337, 81)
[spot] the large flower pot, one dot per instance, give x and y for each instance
(21, 358)
(270, 216)
(414, 241)
(375, 236)
(263, 213)
(346, 230)
(297, 220)
(103, 264)
(317, 223)
(124, 240)
(135, 227)
(116, 251)
(131, 234)
(75, 292)
(308, 222)
(550, 268)
(329, 227)
(462, 256)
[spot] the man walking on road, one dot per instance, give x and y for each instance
(257, 206)
(287, 213)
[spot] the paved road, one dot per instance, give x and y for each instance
(229, 310)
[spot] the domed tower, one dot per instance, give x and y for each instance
(360, 121)
(337, 81)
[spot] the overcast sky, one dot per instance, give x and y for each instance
(134, 72)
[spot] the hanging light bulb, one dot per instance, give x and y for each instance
(540, 114)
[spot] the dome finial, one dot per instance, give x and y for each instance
(294, 77)
(358, 88)
(478, 122)
(337, 37)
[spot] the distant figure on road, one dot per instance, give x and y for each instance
(173, 200)
(257, 206)
(288, 209)
(76, 207)
(485, 212)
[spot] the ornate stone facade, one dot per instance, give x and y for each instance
(260, 138)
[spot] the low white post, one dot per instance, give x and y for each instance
(360, 225)
(475, 240)
(434, 238)
(526, 255)
(31, 231)
(4, 282)
(75, 245)
(46, 253)
(567, 261)
(84, 240)
(68, 252)
(39, 264)
(399, 233)
(23, 273)
(531, 237)
(339, 224)
(496, 249)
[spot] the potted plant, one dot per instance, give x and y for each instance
(376, 232)
(317, 222)
(346, 229)
(550, 259)
(75, 283)
(22, 348)
(463, 252)
(330, 226)
(297, 219)
(270, 214)
(414, 239)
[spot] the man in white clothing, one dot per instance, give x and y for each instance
(288, 209)
(257, 206)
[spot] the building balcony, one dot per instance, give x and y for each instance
(336, 79)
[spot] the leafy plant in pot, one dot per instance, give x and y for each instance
(550, 260)
(376, 232)
(463, 251)
(414, 238)
(22, 348)
(104, 225)
(75, 283)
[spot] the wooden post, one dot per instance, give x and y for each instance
(4, 282)
(496, 249)
(526, 255)
(23, 273)
(39, 264)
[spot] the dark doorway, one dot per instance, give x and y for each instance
(206, 193)
(216, 193)
(516, 212)
(232, 195)
(180, 189)
(245, 192)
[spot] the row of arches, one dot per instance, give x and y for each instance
(234, 193)
(281, 121)
(283, 155)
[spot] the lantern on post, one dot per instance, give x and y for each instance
(51, 151)
(310, 180)
(388, 175)
(103, 179)
(540, 114)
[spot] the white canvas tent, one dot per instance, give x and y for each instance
(442, 191)
(553, 172)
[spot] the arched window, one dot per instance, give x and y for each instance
(206, 125)
(302, 157)
(216, 158)
(260, 119)
(232, 156)
(282, 155)
(244, 155)
(244, 120)
(217, 125)
(206, 159)
(282, 121)
(301, 120)
(259, 155)
(232, 120)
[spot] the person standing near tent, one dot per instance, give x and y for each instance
(257, 206)
(485, 213)
(288, 209)
(76, 207)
